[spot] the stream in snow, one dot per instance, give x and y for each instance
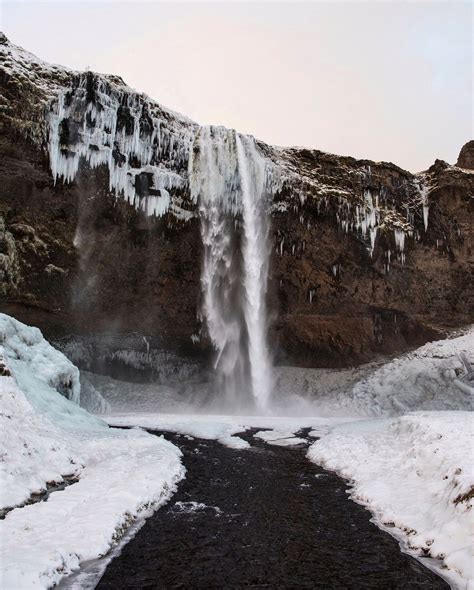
(237, 499)
(263, 517)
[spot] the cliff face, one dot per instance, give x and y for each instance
(338, 298)
(99, 230)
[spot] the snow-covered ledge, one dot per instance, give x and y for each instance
(45, 437)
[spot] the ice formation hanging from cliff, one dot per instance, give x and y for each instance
(426, 207)
(145, 151)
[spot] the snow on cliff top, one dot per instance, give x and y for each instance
(22, 64)
(45, 437)
(52, 78)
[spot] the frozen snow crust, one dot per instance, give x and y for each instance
(415, 473)
(46, 437)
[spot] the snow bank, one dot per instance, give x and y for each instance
(424, 379)
(421, 380)
(415, 473)
(224, 428)
(27, 352)
(45, 437)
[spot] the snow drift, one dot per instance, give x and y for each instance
(415, 474)
(46, 437)
(423, 379)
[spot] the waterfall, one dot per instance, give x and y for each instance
(255, 253)
(227, 178)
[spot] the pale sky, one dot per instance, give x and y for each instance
(380, 80)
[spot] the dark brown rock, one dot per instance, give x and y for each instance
(466, 156)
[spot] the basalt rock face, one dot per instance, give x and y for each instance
(466, 156)
(339, 299)
(99, 231)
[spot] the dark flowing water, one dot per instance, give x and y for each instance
(271, 519)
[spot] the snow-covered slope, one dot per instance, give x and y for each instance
(44, 438)
(416, 474)
(29, 355)
(424, 379)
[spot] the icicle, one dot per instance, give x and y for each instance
(281, 246)
(373, 235)
(424, 190)
(400, 243)
(92, 133)
(426, 211)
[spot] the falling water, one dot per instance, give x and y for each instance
(211, 181)
(227, 176)
(255, 253)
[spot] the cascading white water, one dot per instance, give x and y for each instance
(213, 170)
(227, 176)
(255, 253)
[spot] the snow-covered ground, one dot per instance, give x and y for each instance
(224, 428)
(415, 473)
(413, 469)
(45, 437)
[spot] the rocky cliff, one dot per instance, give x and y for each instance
(99, 231)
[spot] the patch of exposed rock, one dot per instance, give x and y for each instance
(466, 156)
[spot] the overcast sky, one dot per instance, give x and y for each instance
(382, 80)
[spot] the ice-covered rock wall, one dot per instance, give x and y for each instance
(145, 148)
